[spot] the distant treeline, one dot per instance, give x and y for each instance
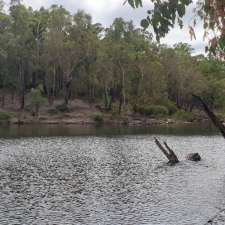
(69, 56)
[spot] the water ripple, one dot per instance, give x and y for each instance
(109, 181)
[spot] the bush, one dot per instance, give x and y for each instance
(4, 116)
(182, 115)
(172, 108)
(63, 108)
(98, 118)
(53, 111)
(36, 99)
(154, 110)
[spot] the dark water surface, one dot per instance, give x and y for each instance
(109, 176)
(72, 130)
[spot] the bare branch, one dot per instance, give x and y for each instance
(216, 121)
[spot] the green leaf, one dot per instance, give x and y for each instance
(222, 42)
(138, 3)
(135, 3)
(181, 10)
(131, 2)
(145, 23)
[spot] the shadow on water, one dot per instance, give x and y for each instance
(74, 130)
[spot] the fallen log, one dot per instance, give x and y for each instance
(167, 151)
(215, 120)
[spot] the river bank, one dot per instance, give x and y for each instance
(130, 121)
(83, 113)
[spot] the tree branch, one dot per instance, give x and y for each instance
(216, 121)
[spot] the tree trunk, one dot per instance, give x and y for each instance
(51, 100)
(12, 97)
(37, 110)
(120, 104)
(123, 89)
(67, 90)
(216, 121)
(22, 100)
(22, 82)
(3, 100)
(106, 99)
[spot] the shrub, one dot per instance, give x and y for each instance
(62, 108)
(98, 118)
(36, 99)
(182, 115)
(154, 110)
(172, 108)
(4, 116)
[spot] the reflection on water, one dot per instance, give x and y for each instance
(73, 130)
(109, 180)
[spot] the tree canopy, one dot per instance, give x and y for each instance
(163, 15)
(119, 67)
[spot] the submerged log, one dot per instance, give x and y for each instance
(167, 151)
(193, 157)
(172, 157)
(216, 121)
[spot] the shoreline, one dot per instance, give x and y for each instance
(82, 113)
(117, 122)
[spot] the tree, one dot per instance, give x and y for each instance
(165, 14)
(21, 45)
(120, 67)
(54, 51)
(87, 36)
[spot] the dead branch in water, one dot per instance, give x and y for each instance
(167, 151)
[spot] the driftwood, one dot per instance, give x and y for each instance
(216, 121)
(171, 156)
(167, 151)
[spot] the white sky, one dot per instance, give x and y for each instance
(105, 11)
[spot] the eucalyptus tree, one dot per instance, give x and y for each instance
(188, 72)
(5, 37)
(165, 14)
(21, 47)
(118, 37)
(214, 73)
(39, 26)
(57, 74)
(87, 37)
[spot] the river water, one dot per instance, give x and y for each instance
(107, 176)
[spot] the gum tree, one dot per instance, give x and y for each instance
(163, 15)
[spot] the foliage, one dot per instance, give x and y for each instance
(184, 116)
(165, 14)
(62, 108)
(153, 110)
(4, 116)
(36, 99)
(119, 67)
(172, 108)
(98, 118)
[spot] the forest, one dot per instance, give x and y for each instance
(51, 54)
